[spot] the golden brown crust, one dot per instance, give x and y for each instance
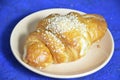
(64, 45)
(37, 54)
(96, 25)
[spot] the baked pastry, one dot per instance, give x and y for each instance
(35, 52)
(64, 38)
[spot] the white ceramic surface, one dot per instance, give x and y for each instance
(95, 59)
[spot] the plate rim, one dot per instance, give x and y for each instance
(56, 75)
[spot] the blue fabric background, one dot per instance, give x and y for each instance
(12, 11)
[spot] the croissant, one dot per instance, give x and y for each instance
(63, 38)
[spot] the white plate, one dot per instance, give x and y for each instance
(95, 59)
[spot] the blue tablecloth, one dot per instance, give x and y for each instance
(12, 11)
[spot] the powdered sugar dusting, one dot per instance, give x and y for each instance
(64, 23)
(57, 45)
